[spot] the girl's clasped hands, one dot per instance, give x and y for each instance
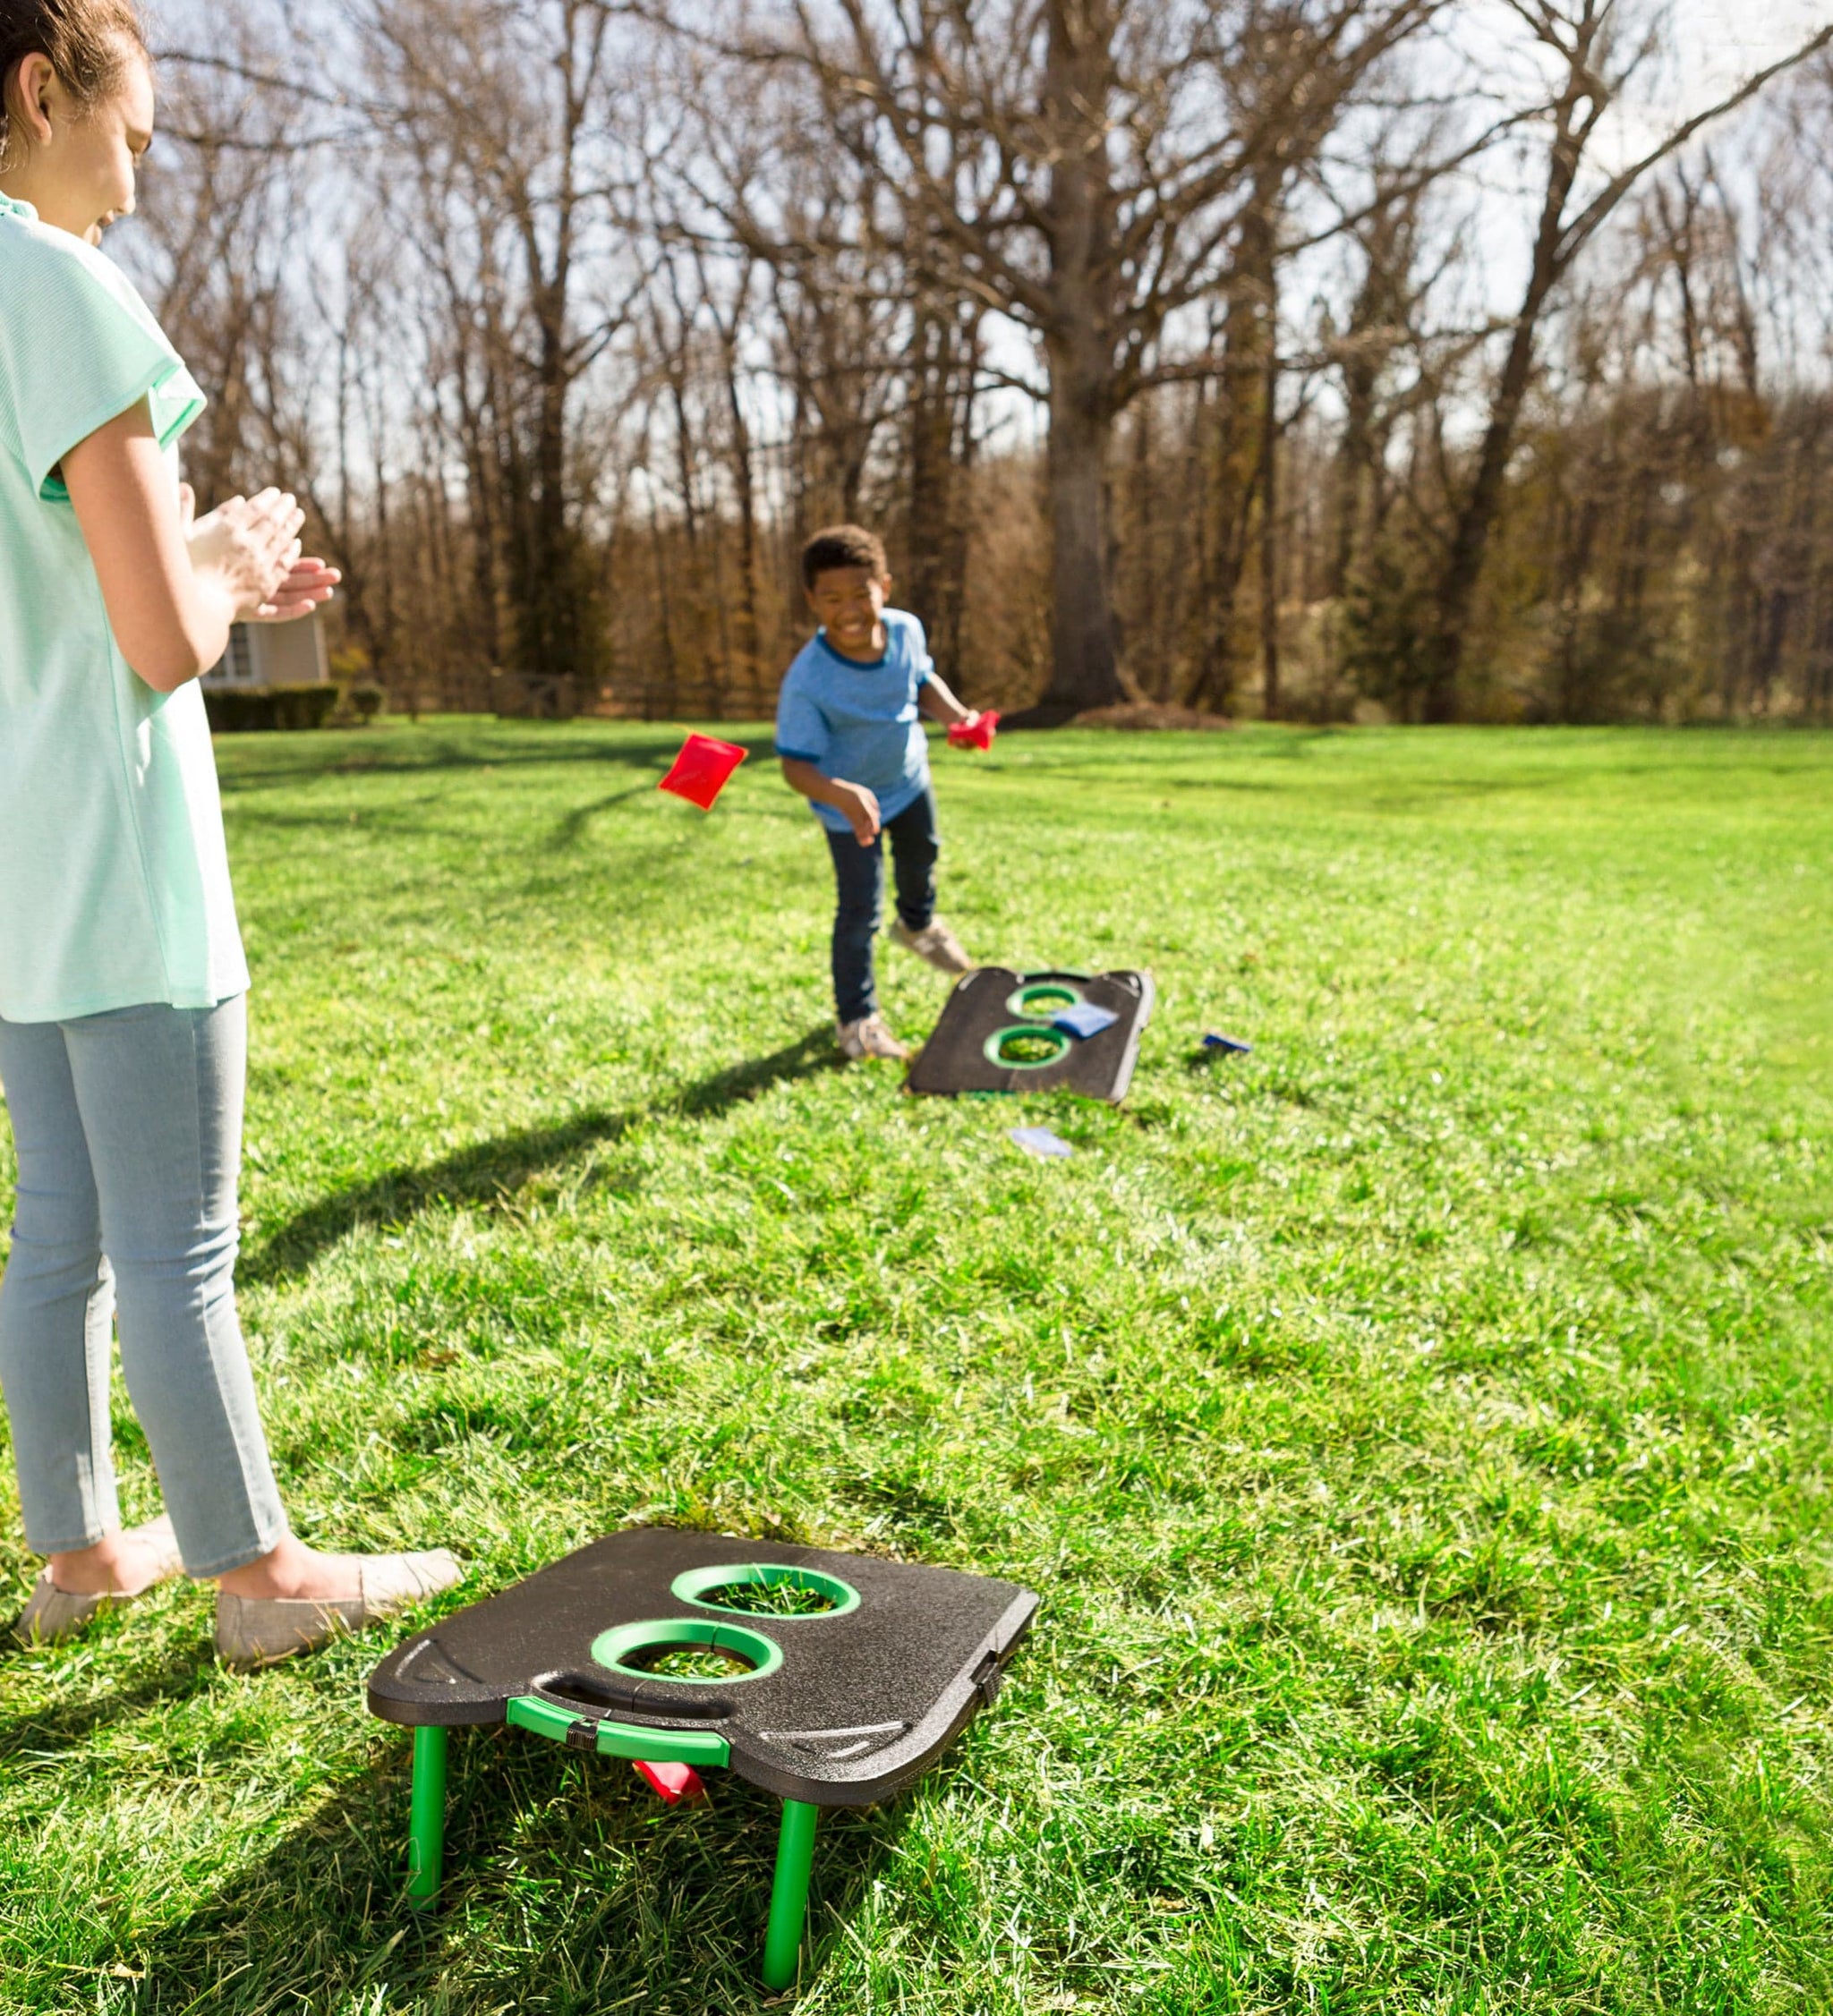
(250, 545)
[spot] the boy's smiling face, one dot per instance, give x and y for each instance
(849, 604)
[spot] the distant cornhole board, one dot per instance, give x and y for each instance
(1002, 1031)
(829, 1680)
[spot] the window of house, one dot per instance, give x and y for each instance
(238, 660)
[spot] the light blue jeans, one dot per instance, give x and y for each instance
(128, 1130)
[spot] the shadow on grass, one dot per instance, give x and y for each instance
(64, 1725)
(273, 762)
(421, 817)
(490, 1169)
(566, 1889)
(571, 829)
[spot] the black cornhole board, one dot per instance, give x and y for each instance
(991, 1000)
(859, 1702)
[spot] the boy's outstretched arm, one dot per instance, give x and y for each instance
(934, 699)
(857, 804)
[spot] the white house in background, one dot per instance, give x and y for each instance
(271, 654)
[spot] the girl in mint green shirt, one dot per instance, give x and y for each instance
(122, 977)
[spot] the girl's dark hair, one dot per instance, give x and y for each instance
(839, 546)
(89, 43)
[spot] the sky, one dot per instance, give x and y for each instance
(1708, 47)
(1718, 43)
(1727, 37)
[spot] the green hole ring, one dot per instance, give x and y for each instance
(1043, 998)
(693, 1585)
(1034, 1032)
(623, 1642)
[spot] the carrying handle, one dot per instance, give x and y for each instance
(616, 1739)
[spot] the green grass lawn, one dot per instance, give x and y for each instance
(1418, 1431)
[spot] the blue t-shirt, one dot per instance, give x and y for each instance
(859, 722)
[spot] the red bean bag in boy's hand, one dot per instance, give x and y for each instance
(700, 772)
(975, 734)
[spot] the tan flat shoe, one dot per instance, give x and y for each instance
(52, 1614)
(254, 1631)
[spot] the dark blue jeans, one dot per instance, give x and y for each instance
(860, 874)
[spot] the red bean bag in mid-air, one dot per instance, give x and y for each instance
(703, 768)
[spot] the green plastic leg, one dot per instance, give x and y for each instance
(426, 1826)
(788, 1896)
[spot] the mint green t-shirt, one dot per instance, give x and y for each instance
(114, 877)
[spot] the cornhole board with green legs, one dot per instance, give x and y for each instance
(829, 1680)
(996, 1034)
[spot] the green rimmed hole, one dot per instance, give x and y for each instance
(769, 1599)
(1026, 1048)
(689, 1651)
(1043, 998)
(766, 1589)
(691, 1661)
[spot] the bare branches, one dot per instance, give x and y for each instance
(571, 315)
(1584, 227)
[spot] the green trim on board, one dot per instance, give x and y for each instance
(1039, 999)
(1034, 1032)
(612, 1649)
(691, 1586)
(621, 1739)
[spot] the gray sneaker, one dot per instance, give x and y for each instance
(937, 944)
(869, 1037)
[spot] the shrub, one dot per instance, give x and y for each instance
(233, 712)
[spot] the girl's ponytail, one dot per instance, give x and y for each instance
(89, 43)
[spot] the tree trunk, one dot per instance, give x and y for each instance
(1476, 520)
(551, 622)
(944, 364)
(665, 701)
(1078, 349)
(929, 452)
(1456, 593)
(1084, 664)
(745, 487)
(1142, 610)
(1248, 341)
(1270, 543)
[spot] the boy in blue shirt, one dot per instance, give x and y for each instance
(851, 740)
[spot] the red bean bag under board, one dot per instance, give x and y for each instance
(700, 771)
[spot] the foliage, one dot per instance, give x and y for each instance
(1385, 621)
(1418, 1430)
(270, 708)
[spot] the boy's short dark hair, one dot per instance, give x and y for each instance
(843, 546)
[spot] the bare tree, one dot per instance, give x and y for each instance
(1082, 166)
(589, 325)
(1596, 48)
(499, 114)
